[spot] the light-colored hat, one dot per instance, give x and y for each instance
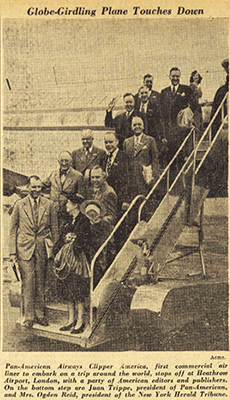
(95, 205)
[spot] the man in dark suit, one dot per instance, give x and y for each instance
(104, 193)
(117, 169)
(85, 158)
(122, 122)
(174, 98)
(61, 183)
(143, 154)
(33, 231)
(149, 105)
(154, 96)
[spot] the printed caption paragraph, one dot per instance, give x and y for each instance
(156, 380)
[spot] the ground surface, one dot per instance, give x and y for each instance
(199, 335)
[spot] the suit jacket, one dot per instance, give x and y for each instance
(153, 116)
(118, 176)
(154, 97)
(80, 163)
(122, 124)
(146, 154)
(108, 197)
(172, 104)
(25, 235)
(59, 192)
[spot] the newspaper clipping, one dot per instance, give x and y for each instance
(114, 212)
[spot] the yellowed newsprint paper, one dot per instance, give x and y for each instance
(148, 315)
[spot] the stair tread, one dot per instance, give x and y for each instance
(57, 306)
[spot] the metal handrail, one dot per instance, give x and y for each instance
(187, 165)
(188, 161)
(182, 171)
(211, 122)
(99, 251)
(211, 142)
(164, 173)
(193, 153)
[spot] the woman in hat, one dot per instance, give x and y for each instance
(71, 263)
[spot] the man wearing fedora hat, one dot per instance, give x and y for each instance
(221, 92)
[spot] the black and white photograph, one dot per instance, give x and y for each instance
(114, 179)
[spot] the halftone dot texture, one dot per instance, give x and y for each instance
(64, 73)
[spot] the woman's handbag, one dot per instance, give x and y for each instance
(66, 262)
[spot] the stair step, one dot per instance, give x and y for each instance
(57, 306)
(203, 146)
(52, 332)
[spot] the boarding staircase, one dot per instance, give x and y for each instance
(141, 275)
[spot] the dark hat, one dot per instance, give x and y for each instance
(85, 206)
(225, 63)
(75, 198)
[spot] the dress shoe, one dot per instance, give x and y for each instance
(79, 330)
(68, 327)
(41, 321)
(28, 323)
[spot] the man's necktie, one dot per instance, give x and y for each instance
(87, 155)
(35, 212)
(136, 142)
(95, 192)
(63, 177)
(109, 163)
(143, 109)
(174, 90)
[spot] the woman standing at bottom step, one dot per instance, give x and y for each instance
(71, 264)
